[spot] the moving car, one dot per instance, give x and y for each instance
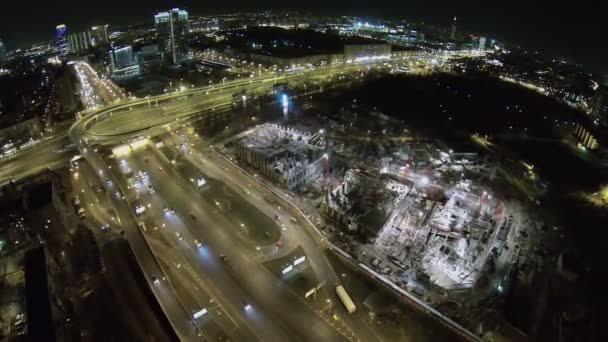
(246, 305)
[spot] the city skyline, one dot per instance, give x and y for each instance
(250, 175)
(517, 24)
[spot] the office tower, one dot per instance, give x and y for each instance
(148, 57)
(482, 44)
(171, 30)
(122, 57)
(61, 32)
(453, 32)
(599, 104)
(99, 34)
(123, 62)
(80, 41)
(2, 51)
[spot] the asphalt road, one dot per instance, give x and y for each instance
(50, 153)
(140, 315)
(95, 91)
(277, 314)
(292, 236)
(180, 319)
(296, 325)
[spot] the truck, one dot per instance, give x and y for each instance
(345, 298)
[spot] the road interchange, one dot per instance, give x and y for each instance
(282, 316)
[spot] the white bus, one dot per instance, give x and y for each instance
(345, 298)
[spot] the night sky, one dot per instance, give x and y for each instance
(575, 30)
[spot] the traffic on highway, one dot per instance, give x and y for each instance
(203, 254)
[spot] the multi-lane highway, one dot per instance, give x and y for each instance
(47, 154)
(95, 91)
(242, 286)
(275, 313)
(293, 235)
(254, 304)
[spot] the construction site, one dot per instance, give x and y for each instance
(409, 209)
(286, 155)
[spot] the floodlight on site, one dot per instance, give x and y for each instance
(424, 181)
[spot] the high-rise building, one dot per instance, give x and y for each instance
(123, 62)
(148, 57)
(80, 41)
(2, 52)
(599, 104)
(61, 32)
(453, 32)
(482, 44)
(99, 34)
(172, 30)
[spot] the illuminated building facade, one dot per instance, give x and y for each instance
(61, 32)
(366, 52)
(172, 32)
(599, 104)
(79, 41)
(123, 62)
(482, 44)
(99, 35)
